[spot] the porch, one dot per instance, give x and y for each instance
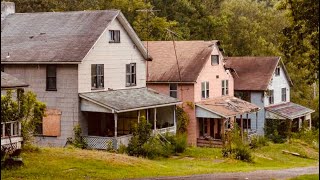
(11, 135)
(218, 115)
(110, 115)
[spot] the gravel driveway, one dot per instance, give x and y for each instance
(260, 174)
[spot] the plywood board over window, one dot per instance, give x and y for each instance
(51, 122)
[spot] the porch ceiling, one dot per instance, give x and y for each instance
(289, 110)
(227, 106)
(129, 99)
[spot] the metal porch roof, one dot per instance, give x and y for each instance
(289, 110)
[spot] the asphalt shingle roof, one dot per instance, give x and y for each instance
(9, 81)
(126, 99)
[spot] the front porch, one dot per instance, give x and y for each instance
(110, 115)
(11, 135)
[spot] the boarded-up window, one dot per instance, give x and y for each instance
(51, 123)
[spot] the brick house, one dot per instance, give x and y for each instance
(89, 67)
(194, 72)
(264, 81)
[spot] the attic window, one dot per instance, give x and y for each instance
(114, 36)
(277, 71)
(214, 59)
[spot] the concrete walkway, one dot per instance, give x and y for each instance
(260, 174)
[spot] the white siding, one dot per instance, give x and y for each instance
(114, 56)
(276, 84)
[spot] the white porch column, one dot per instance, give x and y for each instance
(138, 116)
(310, 124)
(241, 124)
(11, 128)
(19, 128)
(155, 119)
(174, 119)
(115, 124)
(147, 114)
(247, 123)
(300, 123)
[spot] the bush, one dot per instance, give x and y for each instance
(182, 120)
(243, 153)
(122, 149)
(181, 143)
(155, 148)
(77, 141)
(258, 141)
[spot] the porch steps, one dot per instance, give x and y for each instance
(209, 143)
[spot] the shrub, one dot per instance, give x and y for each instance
(181, 143)
(77, 141)
(155, 148)
(258, 141)
(182, 120)
(243, 153)
(122, 149)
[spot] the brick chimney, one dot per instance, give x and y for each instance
(6, 9)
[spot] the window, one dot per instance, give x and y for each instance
(284, 94)
(2, 68)
(114, 36)
(97, 76)
(205, 89)
(214, 59)
(225, 88)
(51, 78)
(244, 95)
(271, 97)
(173, 90)
(50, 125)
(277, 71)
(246, 123)
(131, 76)
(203, 126)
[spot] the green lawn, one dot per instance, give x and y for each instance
(307, 177)
(70, 163)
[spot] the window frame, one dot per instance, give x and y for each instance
(217, 60)
(271, 96)
(283, 94)
(206, 90)
(98, 77)
(225, 87)
(49, 76)
(173, 90)
(277, 72)
(114, 36)
(132, 75)
(244, 95)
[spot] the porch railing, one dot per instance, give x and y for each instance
(100, 142)
(11, 128)
(171, 129)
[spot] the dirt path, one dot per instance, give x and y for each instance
(260, 174)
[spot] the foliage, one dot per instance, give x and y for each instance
(141, 135)
(182, 120)
(77, 141)
(309, 136)
(235, 147)
(276, 130)
(122, 149)
(27, 109)
(258, 141)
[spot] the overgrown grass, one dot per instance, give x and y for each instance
(71, 163)
(307, 177)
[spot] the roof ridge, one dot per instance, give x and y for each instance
(66, 12)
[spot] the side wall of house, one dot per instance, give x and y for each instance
(64, 99)
(276, 84)
(114, 56)
(214, 74)
(258, 99)
(185, 94)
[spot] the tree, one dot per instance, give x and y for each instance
(26, 109)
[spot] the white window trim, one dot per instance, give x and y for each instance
(225, 87)
(206, 90)
(173, 90)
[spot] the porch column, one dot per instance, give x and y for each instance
(310, 124)
(147, 114)
(223, 127)
(19, 127)
(241, 130)
(247, 124)
(299, 123)
(155, 119)
(174, 119)
(138, 116)
(257, 122)
(115, 124)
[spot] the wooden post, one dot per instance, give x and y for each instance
(290, 128)
(174, 119)
(310, 124)
(247, 123)
(138, 116)
(223, 128)
(11, 128)
(299, 123)
(241, 130)
(19, 128)
(147, 114)
(257, 122)
(3, 129)
(155, 119)
(115, 125)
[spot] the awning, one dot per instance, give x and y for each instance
(123, 100)
(224, 107)
(287, 110)
(8, 81)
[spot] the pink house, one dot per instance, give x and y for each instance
(194, 72)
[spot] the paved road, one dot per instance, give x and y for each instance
(259, 175)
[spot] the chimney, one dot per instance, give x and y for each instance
(7, 8)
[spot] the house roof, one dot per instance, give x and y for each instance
(9, 81)
(56, 37)
(129, 99)
(191, 55)
(289, 110)
(227, 106)
(254, 73)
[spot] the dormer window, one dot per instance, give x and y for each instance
(214, 59)
(277, 71)
(114, 36)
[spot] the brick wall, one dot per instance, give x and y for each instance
(65, 98)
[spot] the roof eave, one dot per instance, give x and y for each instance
(38, 62)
